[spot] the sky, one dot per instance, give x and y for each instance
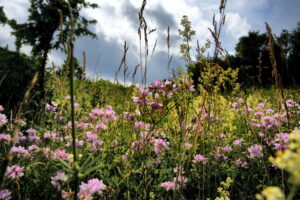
(118, 22)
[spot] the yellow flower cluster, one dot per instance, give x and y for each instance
(288, 160)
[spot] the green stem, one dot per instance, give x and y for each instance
(292, 193)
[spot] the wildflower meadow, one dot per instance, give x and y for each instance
(205, 132)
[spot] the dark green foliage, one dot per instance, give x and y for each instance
(63, 71)
(3, 18)
(290, 44)
(45, 19)
(16, 72)
(253, 60)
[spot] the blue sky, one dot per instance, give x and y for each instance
(117, 23)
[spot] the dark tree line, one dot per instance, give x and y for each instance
(47, 28)
(253, 60)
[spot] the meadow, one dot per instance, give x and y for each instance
(205, 133)
(165, 141)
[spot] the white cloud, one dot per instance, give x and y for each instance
(16, 9)
(5, 32)
(236, 25)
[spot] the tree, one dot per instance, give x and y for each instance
(186, 34)
(290, 47)
(78, 72)
(253, 58)
(46, 18)
(16, 72)
(3, 18)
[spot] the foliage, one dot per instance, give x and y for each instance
(223, 190)
(16, 72)
(288, 160)
(45, 19)
(187, 33)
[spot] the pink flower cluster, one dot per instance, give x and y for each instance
(107, 113)
(92, 187)
(60, 154)
(5, 194)
(52, 106)
(255, 151)
(4, 137)
(199, 159)
(59, 179)
(177, 183)
(14, 172)
(3, 119)
(19, 151)
(160, 145)
(281, 141)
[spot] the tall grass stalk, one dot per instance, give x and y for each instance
(16, 130)
(278, 82)
(72, 94)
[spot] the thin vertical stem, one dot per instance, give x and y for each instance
(72, 94)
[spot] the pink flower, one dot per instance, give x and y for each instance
(31, 131)
(181, 180)
(222, 136)
(34, 138)
(241, 163)
(14, 172)
(281, 141)
(109, 115)
(267, 122)
(156, 105)
(33, 147)
(1, 108)
(125, 157)
(179, 170)
(137, 145)
(234, 105)
(220, 157)
(59, 179)
(96, 112)
(3, 120)
(128, 116)
(138, 125)
(255, 151)
(160, 145)
(59, 153)
(169, 185)
(79, 143)
(20, 151)
(199, 158)
(100, 126)
(93, 186)
(90, 137)
(67, 195)
(144, 92)
(50, 135)
(47, 152)
(269, 111)
(5, 194)
(240, 100)
(238, 142)
(52, 107)
(139, 101)
(4, 137)
(226, 149)
(187, 145)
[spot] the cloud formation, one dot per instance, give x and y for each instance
(118, 22)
